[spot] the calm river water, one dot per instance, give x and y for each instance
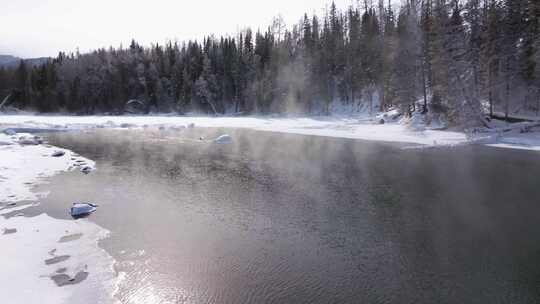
(280, 218)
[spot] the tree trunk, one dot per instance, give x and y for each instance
(213, 107)
(382, 98)
(490, 103)
(370, 102)
(490, 94)
(4, 101)
(425, 110)
(236, 102)
(507, 101)
(538, 102)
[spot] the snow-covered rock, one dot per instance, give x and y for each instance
(389, 116)
(417, 122)
(30, 140)
(223, 139)
(135, 106)
(82, 209)
(127, 125)
(58, 153)
(86, 169)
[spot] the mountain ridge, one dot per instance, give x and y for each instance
(10, 61)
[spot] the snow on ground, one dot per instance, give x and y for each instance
(24, 165)
(520, 135)
(513, 140)
(40, 252)
(360, 126)
(344, 127)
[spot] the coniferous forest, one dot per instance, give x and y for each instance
(466, 59)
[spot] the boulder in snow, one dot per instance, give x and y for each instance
(223, 139)
(82, 209)
(135, 106)
(58, 153)
(30, 141)
(127, 125)
(191, 125)
(86, 169)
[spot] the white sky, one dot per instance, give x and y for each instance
(35, 28)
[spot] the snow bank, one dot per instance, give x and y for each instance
(21, 166)
(526, 141)
(520, 135)
(344, 127)
(419, 131)
(36, 255)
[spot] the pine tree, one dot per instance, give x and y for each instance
(405, 67)
(529, 48)
(206, 86)
(450, 53)
(388, 53)
(512, 32)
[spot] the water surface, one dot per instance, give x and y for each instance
(280, 218)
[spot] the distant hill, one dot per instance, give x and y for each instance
(6, 60)
(9, 61)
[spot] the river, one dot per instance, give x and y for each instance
(282, 218)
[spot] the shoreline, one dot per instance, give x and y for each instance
(350, 127)
(41, 266)
(332, 126)
(45, 259)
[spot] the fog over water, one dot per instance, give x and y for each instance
(280, 218)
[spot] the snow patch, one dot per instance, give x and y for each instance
(27, 277)
(34, 263)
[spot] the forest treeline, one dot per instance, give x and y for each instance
(463, 58)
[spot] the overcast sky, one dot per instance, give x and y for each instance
(35, 28)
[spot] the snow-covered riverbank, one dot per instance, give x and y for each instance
(343, 127)
(358, 127)
(46, 260)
